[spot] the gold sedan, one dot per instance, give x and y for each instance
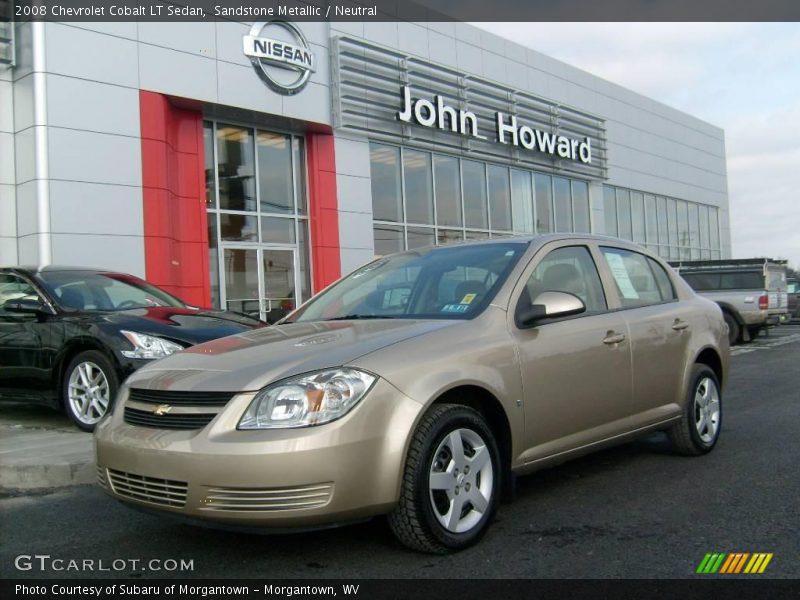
(419, 386)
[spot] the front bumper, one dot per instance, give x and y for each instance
(304, 477)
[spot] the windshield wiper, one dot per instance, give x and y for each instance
(356, 317)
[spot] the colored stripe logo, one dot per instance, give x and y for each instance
(734, 563)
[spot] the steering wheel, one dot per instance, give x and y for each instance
(128, 304)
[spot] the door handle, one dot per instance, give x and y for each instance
(613, 338)
(679, 325)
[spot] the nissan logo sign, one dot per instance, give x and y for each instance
(283, 58)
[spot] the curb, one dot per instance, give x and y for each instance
(33, 458)
(31, 477)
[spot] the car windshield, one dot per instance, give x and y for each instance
(453, 282)
(86, 290)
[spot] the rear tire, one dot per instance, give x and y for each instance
(451, 482)
(734, 330)
(754, 331)
(698, 430)
(89, 387)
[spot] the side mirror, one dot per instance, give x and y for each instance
(26, 306)
(550, 305)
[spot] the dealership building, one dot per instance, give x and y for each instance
(249, 165)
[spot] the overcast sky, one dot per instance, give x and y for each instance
(743, 77)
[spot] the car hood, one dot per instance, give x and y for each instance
(251, 360)
(185, 325)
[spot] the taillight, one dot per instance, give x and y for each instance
(763, 302)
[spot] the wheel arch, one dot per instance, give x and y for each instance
(728, 308)
(709, 357)
(70, 350)
(491, 409)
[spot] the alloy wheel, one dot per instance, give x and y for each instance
(88, 392)
(461, 480)
(706, 409)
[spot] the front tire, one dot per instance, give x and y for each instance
(698, 430)
(451, 482)
(90, 385)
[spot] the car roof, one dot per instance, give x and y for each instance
(56, 268)
(543, 238)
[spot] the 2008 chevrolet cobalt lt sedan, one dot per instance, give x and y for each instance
(419, 386)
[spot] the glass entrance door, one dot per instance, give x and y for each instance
(259, 281)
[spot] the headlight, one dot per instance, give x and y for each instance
(311, 399)
(148, 346)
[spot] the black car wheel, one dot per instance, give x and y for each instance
(698, 430)
(90, 384)
(451, 482)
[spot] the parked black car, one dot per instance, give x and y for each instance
(69, 336)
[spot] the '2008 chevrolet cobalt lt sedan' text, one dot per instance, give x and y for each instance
(418, 386)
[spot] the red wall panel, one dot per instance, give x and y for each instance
(173, 180)
(323, 209)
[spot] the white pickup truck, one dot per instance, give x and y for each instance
(752, 293)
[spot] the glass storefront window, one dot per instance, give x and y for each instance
(704, 226)
(208, 157)
(580, 206)
(610, 210)
(237, 227)
(275, 185)
(663, 222)
(651, 219)
(213, 258)
(672, 216)
(562, 202)
(694, 225)
(637, 217)
(474, 189)
(419, 237)
(235, 168)
(388, 239)
(499, 198)
(713, 228)
(386, 191)
(447, 185)
(543, 186)
(418, 182)
(450, 236)
(683, 226)
(276, 230)
(428, 196)
(303, 260)
(260, 175)
(521, 201)
(299, 162)
(624, 214)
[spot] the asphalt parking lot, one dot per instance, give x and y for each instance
(634, 511)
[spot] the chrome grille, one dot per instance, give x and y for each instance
(162, 492)
(180, 398)
(145, 418)
(268, 499)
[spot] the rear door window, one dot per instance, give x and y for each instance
(636, 279)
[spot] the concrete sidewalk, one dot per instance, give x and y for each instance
(41, 448)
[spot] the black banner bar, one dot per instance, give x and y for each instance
(372, 589)
(401, 10)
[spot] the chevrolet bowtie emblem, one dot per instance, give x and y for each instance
(162, 409)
